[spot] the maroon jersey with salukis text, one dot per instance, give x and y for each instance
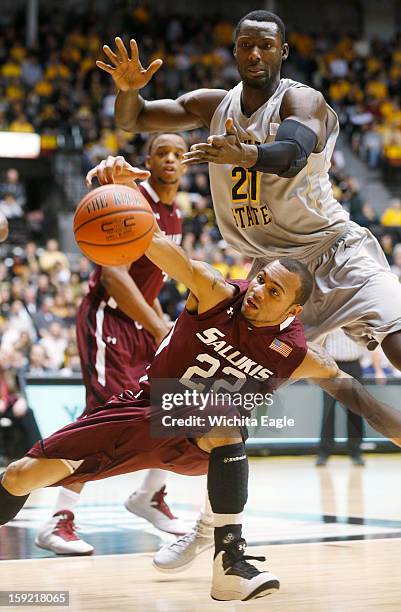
(127, 433)
(221, 343)
(148, 277)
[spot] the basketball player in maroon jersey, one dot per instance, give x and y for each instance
(236, 328)
(120, 321)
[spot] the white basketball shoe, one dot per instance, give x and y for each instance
(153, 508)
(179, 555)
(59, 535)
(236, 579)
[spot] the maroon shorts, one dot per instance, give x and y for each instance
(114, 350)
(115, 439)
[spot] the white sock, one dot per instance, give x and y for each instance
(221, 520)
(154, 480)
(206, 513)
(66, 500)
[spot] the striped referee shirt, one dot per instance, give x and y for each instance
(342, 348)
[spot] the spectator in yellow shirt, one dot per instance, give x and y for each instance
(377, 88)
(238, 269)
(392, 215)
(52, 256)
(220, 264)
(21, 124)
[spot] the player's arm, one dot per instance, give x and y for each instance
(121, 286)
(322, 368)
(206, 284)
(135, 114)
(157, 308)
(188, 112)
(302, 131)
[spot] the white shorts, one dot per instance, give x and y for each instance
(354, 289)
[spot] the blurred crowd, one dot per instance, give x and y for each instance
(40, 290)
(385, 226)
(362, 80)
(55, 89)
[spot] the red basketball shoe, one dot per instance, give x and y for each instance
(59, 535)
(153, 508)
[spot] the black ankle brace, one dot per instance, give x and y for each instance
(227, 479)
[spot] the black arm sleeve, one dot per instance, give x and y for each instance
(290, 151)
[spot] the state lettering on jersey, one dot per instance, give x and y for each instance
(251, 216)
(246, 189)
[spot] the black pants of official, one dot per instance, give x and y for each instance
(29, 430)
(354, 421)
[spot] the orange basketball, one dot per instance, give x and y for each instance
(113, 225)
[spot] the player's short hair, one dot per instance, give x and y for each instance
(305, 278)
(262, 16)
(152, 140)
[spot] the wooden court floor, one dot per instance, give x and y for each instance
(332, 535)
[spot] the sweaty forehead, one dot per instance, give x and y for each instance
(173, 141)
(258, 28)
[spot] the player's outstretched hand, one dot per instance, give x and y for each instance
(127, 72)
(223, 149)
(116, 170)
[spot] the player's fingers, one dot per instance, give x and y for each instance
(119, 164)
(110, 54)
(230, 126)
(98, 172)
(133, 169)
(208, 150)
(90, 176)
(139, 175)
(101, 175)
(105, 67)
(193, 160)
(197, 147)
(153, 67)
(123, 168)
(134, 50)
(204, 149)
(121, 50)
(231, 129)
(216, 141)
(110, 169)
(197, 156)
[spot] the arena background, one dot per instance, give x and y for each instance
(56, 122)
(331, 534)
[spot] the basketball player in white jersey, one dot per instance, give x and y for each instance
(269, 156)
